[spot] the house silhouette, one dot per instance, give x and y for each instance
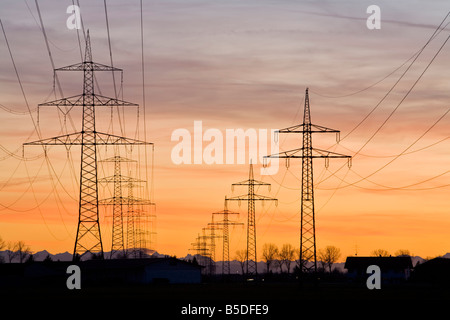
(393, 269)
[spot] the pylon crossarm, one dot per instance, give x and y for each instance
(88, 65)
(104, 139)
(125, 200)
(225, 212)
(118, 158)
(228, 223)
(107, 101)
(67, 139)
(286, 154)
(294, 129)
(257, 197)
(76, 139)
(320, 129)
(120, 178)
(253, 182)
(69, 101)
(313, 128)
(213, 225)
(316, 153)
(78, 100)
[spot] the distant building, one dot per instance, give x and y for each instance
(392, 268)
(115, 271)
(436, 271)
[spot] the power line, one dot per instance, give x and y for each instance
(19, 81)
(391, 161)
(415, 55)
(393, 111)
(395, 84)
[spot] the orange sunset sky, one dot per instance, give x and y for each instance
(238, 64)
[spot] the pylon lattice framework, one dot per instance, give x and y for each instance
(200, 246)
(307, 154)
(118, 201)
(133, 242)
(225, 223)
(212, 236)
(251, 198)
(88, 237)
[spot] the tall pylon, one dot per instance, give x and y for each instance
(251, 197)
(225, 223)
(88, 237)
(307, 153)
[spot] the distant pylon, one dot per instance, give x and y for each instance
(132, 241)
(251, 198)
(307, 154)
(117, 242)
(212, 244)
(225, 223)
(88, 237)
(200, 246)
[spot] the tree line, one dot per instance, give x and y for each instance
(17, 249)
(287, 257)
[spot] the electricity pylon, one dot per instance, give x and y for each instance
(141, 220)
(117, 243)
(212, 244)
(132, 214)
(88, 238)
(307, 153)
(251, 198)
(225, 223)
(200, 247)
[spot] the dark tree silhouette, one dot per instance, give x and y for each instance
(270, 252)
(329, 255)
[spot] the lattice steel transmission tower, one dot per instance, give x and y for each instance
(88, 237)
(117, 202)
(307, 153)
(212, 236)
(251, 199)
(200, 246)
(132, 241)
(225, 223)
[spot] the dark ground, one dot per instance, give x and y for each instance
(282, 298)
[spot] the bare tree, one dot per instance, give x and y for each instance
(380, 253)
(2, 245)
(23, 251)
(11, 252)
(402, 253)
(270, 252)
(241, 256)
(287, 255)
(279, 263)
(329, 255)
